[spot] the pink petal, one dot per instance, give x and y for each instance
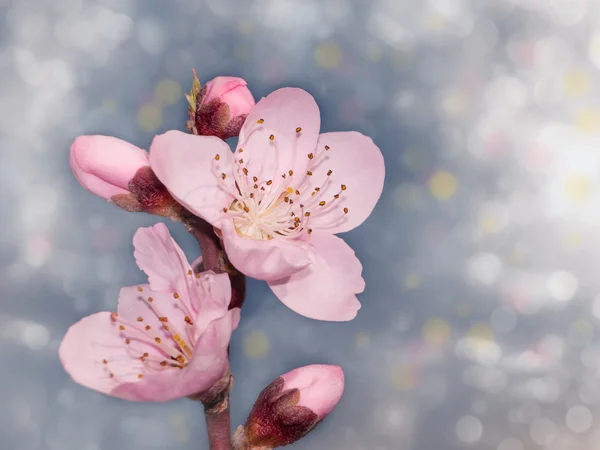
(327, 288)
(282, 111)
(104, 165)
(320, 386)
(90, 341)
(214, 292)
(159, 256)
(357, 163)
(184, 164)
(264, 260)
(134, 304)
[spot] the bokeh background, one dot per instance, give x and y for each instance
(479, 321)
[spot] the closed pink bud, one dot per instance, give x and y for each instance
(320, 386)
(230, 90)
(219, 108)
(291, 406)
(105, 165)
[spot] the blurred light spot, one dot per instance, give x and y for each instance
(256, 345)
(484, 268)
(482, 331)
(463, 309)
(374, 53)
(388, 30)
(151, 36)
(577, 188)
(478, 349)
(542, 431)
(442, 185)
(482, 40)
(503, 320)
(575, 240)
(596, 307)
(412, 281)
(38, 249)
(109, 105)
(167, 92)
(487, 379)
(580, 333)
(150, 117)
(435, 22)
(579, 419)
(436, 331)
(576, 82)
(455, 102)
(31, 334)
(407, 196)
(181, 431)
(245, 27)
(493, 217)
(587, 121)
(328, 55)
(362, 340)
(469, 429)
(594, 49)
(511, 444)
(415, 157)
(403, 378)
(561, 285)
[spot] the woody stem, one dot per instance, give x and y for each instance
(218, 426)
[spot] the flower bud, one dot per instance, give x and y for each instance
(220, 107)
(120, 172)
(291, 406)
(105, 165)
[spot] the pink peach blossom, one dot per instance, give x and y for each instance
(280, 198)
(105, 165)
(169, 338)
(230, 90)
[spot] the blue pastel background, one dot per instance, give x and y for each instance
(479, 321)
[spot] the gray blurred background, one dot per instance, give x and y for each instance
(479, 321)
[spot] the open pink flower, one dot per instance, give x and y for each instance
(280, 198)
(169, 338)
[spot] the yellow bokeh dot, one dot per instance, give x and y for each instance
(463, 310)
(442, 185)
(245, 27)
(412, 281)
(180, 428)
(403, 378)
(577, 188)
(401, 60)
(362, 340)
(489, 224)
(576, 82)
(575, 240)
(167, 92)
(482, 331)
(436, 331)
(374, 53)
(150, 117)
(109, 105)
(328, 55)
(435, 22)
(587, 121)
(242, 51)
(582, 326)
(455, 103)
(256, 345)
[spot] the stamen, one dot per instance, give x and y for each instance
(259, 121)
(298, 130)
(272, 137)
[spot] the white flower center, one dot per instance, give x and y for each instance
(265, 209)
